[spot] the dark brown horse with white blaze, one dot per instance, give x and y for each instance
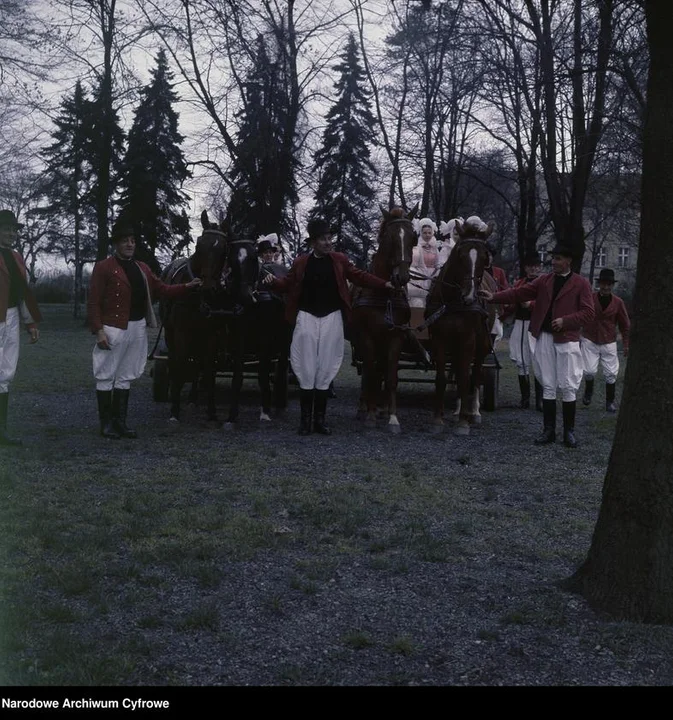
(380, 320)
(191, 330)
(459, 323)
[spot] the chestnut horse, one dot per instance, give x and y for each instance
(191, 329)
(380, 321)
(459, 322)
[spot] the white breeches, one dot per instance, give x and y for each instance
(116, 368)
(558, 366)
(9, 348)
(520, 346)
(606, 354)
(317, 349)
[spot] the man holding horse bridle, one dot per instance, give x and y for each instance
(563, 304)
(119, 310)
(317, 299)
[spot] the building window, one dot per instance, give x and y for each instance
(600, 258)
(623, 257)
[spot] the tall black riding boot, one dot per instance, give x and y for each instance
(569, 439)
(107, 429)
(588, 391)
(610, 397)
(306, 405)
(5, 440)
(538, 396)
(319, 414)
(120, 406)
(549, 419)
(524, 386)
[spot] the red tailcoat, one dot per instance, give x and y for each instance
(574, 304)
(28, 296)
(110, 293)
(343, 270)
(603, 329)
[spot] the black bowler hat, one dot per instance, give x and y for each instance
(8, 220)
(121, 230)
(532, 258)
(317, 228)
(606, 275)
(265, 246)
(562, 250)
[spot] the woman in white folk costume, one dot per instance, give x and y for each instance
(425, 263)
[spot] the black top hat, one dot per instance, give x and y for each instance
(8, 219)
(265, 246)
(562, 250)
(606, 275)
(532, 258)
(120, 231)
(317, 228)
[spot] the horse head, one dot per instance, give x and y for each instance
(396, 242)
(243, 271)
(208, 259)
(464, 269)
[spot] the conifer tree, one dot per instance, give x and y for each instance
(344, 195)
(153, 171)
(68, 184)
(263, 175)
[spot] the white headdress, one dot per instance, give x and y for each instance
(474, 221)
(420, 224)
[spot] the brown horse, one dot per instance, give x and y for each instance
(191, 328)
(380, 321)
(459, 323)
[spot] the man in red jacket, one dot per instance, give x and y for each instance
(599, 339)
(317, 299)
(17, 303)
(119, 310)
(563, 304)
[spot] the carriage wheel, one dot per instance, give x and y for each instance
(160, 381)
(491, 382)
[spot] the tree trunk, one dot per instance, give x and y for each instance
(628, 569)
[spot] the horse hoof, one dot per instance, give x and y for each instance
(476, 420)
(370, 423)
(395, 429)
(173, 419)
(264, 418)
(436, 429)
(461, 430)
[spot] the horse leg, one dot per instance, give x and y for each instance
(177, 380)
(263, 379)
(463, 370)
(440, 386)
(370, 381)
(237, 379)
(391, 382)
(282, 366)
(210, 372)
